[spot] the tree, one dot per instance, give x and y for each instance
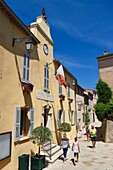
(40, 135)
(87, 119)
(104, 105)
(65, 127)
(100, 110)
(104, 92)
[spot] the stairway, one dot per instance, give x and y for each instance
(52, 151)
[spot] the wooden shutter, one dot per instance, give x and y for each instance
(63, 112)
(31, 121)
(17, 124)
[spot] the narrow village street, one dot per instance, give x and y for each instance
(100, 158)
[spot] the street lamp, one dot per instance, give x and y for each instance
(29, 46)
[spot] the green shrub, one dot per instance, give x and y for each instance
(100, 110)
(65, 127)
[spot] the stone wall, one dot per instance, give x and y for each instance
(107, 131)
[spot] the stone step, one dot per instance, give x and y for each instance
(46, 143)
(47, 147)
(55, 156)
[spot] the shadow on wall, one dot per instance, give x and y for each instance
(99, 133)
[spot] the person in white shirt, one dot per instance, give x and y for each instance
(76, 150)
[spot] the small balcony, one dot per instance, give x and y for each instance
(62, 97)
(70, 100)
(27, 87)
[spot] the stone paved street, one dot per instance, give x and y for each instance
(100, 158)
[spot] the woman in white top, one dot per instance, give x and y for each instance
(76, 150)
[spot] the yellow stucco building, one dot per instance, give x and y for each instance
(30, 92)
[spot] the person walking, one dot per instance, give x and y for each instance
(87, 132)
(93, 134)
(64, 145)
(76, 150)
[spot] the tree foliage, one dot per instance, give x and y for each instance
(109, 111)
(40, 135)
(104, 105)
(100, 110)
(65, 127)
(87, 119)
(104, 92)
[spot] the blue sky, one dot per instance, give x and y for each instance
(81, 31)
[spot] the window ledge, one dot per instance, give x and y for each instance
(24, 138)
(72, 124)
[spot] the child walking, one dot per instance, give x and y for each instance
(76, 150)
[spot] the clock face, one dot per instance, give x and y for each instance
(45, 48)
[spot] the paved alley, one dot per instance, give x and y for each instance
(100, 158)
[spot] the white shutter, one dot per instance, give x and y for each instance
(51, 110)
(17, 124)
(58, 119)
(26, 66)
(63, 112)
(71, 117)
(31, 121)
(43, 109)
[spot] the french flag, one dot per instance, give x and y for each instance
(60, 76)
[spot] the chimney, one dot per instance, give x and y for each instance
(105, 52)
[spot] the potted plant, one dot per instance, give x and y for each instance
(65, 127)
(28, 87)
(40, 135)
(62, 97)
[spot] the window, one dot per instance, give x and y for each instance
(60, 89)
(46, 78)
(5, 145)
(72, 117)
(26, 65)
(68, 90)
(79, 107)
(60, 117)
(22, 125)
(83, 115)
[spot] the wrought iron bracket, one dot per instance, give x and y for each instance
(18, 40)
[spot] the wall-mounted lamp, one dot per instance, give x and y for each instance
(28, 42)
(73, 82)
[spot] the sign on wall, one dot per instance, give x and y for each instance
(5, 145)
(44, 96)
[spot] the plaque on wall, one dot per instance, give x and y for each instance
(44, 96)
